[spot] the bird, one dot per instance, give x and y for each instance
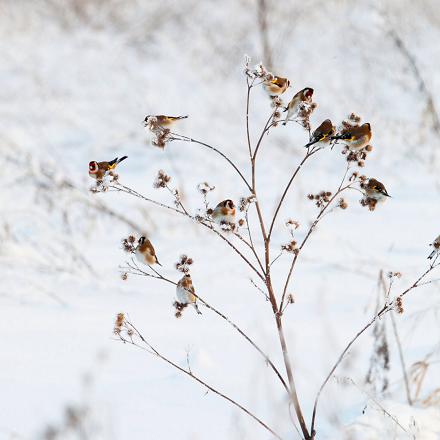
(98, 170)
(276, 86)
(224, 212)
(375, 190)
(294, 106)
(323, 133)
(436, 250)
(145, 252)
(356, 137)
(161, 121)
(185, 292)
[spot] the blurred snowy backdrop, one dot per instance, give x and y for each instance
(77, 78)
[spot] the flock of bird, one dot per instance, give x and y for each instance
(355, 138)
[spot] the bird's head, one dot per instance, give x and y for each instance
(229, 204)
(141, 241)
(308, 93)
(146, 120)
(93, 167)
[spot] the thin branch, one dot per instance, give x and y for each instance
(159, 276)
(182, 138)
(188, 373)
(295, 173)
(309, 233)
(396, 335)
(385, 309)
(122, 188)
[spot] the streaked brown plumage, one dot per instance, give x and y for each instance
(276, 86)
(375, 190)
(98, 170)
(303, 96)
(323, 133)
(145, 252)
(155, 121)
(185, 292)
(224, 212)
(356, 137)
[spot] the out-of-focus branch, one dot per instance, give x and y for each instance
(388, 306)
(262, 13)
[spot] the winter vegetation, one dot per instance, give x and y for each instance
(245, 256)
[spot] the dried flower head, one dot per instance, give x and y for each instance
(369, 202)
(305, 111)
(204, 188)
(290, 298)
(240, 222)
(183, 264)
(227, 226)
(290, 247)
(321, 198)
(399, 305)
(179, 308)
(128, 244)
(119, 323)
(162, 180)
(124, 276)
(244, 202)
(292, 224)
(342, 203)
(394, 275)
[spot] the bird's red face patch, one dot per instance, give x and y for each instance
(93, 167)
(309, 93)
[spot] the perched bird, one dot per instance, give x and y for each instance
(185, 292)
(323, 133)
(98, 170)
(145, 252)
(356, 137)
(294, 106)
(375, 190)
(162, 121)
(224, 212)
(436, 245)
(276, 86)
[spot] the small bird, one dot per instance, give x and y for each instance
(375, 190)
(356, 137)
(323, 133)
(185, 292)
(276, 86)
(98, 170)
(224, 212)
(436, 250)
(145, 252)
(161, 121)
(294, 106)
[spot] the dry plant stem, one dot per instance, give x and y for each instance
(127, 190)
(182, 138)
(159, 276)
(152, 350)
(398, 342)
(308, 154)
(388, 306)
(309, 233)
(268, 282)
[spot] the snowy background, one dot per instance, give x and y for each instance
(77, 78)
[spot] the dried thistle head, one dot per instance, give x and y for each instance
(183, 264)
(227, 226)
(321, 198)
(119, 323)
(180, 307)
(290, 247)
(292, 224)
(369, 202)
(394, 275)
(128, 244)
(342, 204)
(305, 111)
(244, 202)
(204, 188)
(399, 305)
(162, 180)
(124, 276)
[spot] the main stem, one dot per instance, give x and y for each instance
(268, 280)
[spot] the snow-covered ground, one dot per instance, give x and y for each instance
(77, 78)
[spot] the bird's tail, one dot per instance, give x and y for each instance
(181, 117)
(431, 255)
(197, 308)
(112, 164)
(311, 143)
(157, 262)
